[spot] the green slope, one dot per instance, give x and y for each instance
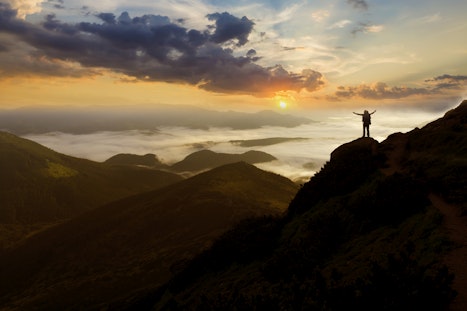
(134, 244)
(40, 185)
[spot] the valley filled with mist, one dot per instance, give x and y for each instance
(301, 144)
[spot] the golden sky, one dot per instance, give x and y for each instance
(244, 55)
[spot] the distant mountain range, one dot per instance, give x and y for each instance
(34, 120)
(367, 232)
(206, 159)
(265, 141)
(147, 160)
(196, 162)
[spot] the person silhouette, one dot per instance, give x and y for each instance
(366, 119)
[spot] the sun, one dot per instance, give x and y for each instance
(282, 104)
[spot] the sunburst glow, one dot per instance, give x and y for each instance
(282, 104)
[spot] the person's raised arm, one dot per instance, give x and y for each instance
(358, 114)
(373, 112)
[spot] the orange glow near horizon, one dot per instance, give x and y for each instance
(105, 91)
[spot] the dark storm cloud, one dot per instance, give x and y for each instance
(358, 4)
(152, 48)
(229, 27)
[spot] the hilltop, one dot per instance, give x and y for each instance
(367, 232)
(148, 160)
(207, 159)
(135, 243)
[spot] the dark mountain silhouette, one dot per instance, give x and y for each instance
(39, 185)
(207, 159)
(367, 232)
(265, 141)
(131, 245)
(370, 231)
(92, 119)
(148, 160)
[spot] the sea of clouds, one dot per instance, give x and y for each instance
(296, 159)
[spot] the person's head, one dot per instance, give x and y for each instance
(366, 112)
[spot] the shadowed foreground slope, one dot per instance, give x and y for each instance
(360, 235)
(130, 245)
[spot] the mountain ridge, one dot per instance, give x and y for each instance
(34, 120)
(40, 187)
(364, 233)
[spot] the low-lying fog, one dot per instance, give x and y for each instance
(299, 158)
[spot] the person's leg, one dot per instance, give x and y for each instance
(366, 130)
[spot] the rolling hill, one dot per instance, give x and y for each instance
(39, 185)
(148, 160)
(137, 242)
(207, 159)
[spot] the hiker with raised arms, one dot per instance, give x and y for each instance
(366, 119)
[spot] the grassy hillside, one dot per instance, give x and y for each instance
(135, 244)
(360, 235)
(41, 186)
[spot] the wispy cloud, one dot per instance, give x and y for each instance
(340, 24)
(428, 19)
(320, 15)
(367, 28)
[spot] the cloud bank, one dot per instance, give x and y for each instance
(439, 85)
(149, 48)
